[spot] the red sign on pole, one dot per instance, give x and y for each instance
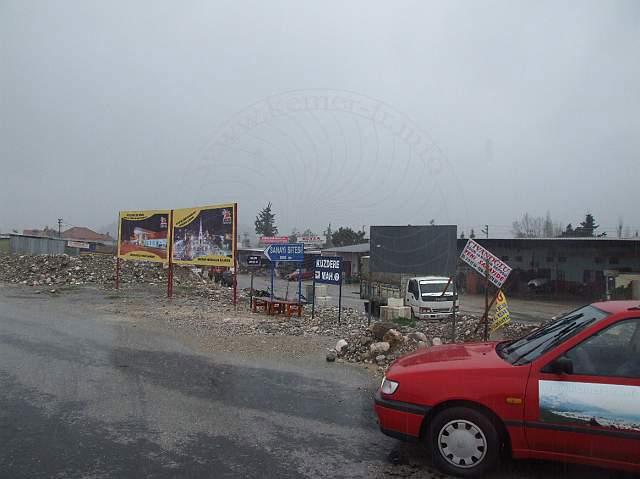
(274, 239)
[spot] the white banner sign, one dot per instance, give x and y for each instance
(77, 244)
(311, 240)
(477, 257)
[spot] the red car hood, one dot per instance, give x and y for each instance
(452, 357)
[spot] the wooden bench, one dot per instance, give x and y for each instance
(276, 306)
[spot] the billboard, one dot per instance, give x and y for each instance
(479, 258)
(204, 235)
(143, 235)
(428, 250)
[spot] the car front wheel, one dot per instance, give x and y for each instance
(464, 442)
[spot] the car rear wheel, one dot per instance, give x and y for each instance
(464, 442)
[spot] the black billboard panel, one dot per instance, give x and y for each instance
(428, 250)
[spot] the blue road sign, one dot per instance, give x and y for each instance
(328, 270)
(285, 252)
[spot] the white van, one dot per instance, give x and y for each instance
(424, 296)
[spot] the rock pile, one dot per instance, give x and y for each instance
(383, 342)
(51, 270)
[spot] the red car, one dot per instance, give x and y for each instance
(569, 391)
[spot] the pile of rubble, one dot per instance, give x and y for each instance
(52, 270)
(383, 342)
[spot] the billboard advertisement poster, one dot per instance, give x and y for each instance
(204, 235)
(479, 258)
(143, 235)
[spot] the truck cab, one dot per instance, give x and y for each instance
(428, 299)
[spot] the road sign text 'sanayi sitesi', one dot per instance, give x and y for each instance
(285, 252)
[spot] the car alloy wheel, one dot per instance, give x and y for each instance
(462, 443)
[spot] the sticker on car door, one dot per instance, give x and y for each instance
(590, 404)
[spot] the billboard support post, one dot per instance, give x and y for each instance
(251, 290)
(340, 300)
(300, 283)
(273, 269)
(235, 256)
(118, 273)
(313, 300)
(485, 334)
(170, 270)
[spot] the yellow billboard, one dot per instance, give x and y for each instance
(144, 235)
(205, 235)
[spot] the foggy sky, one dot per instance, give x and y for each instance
(526, 106)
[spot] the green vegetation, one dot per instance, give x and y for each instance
(410, 322)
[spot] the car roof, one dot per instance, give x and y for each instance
(617, 306)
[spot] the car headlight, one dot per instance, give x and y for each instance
(388, 386)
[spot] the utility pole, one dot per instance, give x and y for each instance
(59, 227)
(485, 230)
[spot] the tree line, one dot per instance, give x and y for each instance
(265, 225)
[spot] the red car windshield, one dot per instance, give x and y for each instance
(535, 344)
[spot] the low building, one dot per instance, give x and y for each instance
(351, 256)
(79, 233)
(573, 266)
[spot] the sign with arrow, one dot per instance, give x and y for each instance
(293, 252)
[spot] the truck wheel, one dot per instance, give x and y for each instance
(464, 442)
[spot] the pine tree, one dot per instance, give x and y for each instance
(265, 222)
(588, 226)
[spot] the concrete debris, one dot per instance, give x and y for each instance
(381, 347)
(393, 337)
(47, 270)
(340, 345)
(380, 329)
(331, 355)
(417, 336)
(206, 308)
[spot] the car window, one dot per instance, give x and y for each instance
(536, 343)
(614, 351)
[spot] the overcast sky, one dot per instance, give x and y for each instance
(516, 107)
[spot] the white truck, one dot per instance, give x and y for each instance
(424, 294)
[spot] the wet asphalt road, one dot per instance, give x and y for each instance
(86, 396)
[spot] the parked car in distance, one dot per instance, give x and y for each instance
(569, 391)
(294, 276)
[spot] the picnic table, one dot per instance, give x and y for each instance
(276, 306)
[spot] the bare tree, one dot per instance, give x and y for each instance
(529, 226)
(619, 227)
